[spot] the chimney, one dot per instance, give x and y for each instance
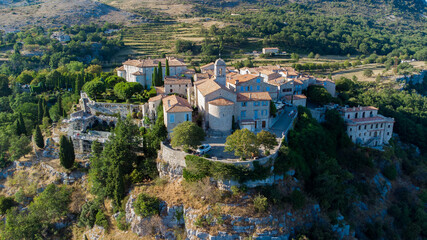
(250, 95)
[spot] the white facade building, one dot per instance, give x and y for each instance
(366, 127)
(142, 70)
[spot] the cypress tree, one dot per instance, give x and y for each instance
(38, 137)
(71, 146)
(65, 153)
(60, 109)
(155, 81)
(46, 110)
(160, 74)
(40, 111)
(167, 71)
(21, 124)
(79, 84)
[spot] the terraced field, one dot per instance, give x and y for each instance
(153, 39)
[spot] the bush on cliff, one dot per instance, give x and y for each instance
(147, 206)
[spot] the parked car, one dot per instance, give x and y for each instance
(204, 148)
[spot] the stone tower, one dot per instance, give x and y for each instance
(220, 71)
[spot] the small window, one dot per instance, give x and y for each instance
(250, 88)
(247, 89)
(264, 103)
(351, 129)
(348, 116)
(257, 88)
(256, 103)
(359, 127)
(244, 104)
(388, 133)
(376, 126)
(365, 126)
(172, 118)
(171, 85)
(243, 114)
(372, 126)
(258, 80)
(187, 117)
(268, 89)
(171, 90)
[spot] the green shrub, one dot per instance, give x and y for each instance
(88, 214)
(297, 199)
(101, 220)
(121, 222)
(260, 203)
(390, 172)
(147, 206)
(6, 203)
(199, 168)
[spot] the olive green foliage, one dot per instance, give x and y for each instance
(260, 203)
(89, 212)
(111, 170)
(94, 88)
(187, 135)
(4, 86)
(112, 80)
(368, 73)
(244, 144)
(267, 140)
(19, 146)
(38, 137)
(6, 203)
(47, 208)
(125, 90)
(198, 168)
(66, 152)
(121, 222)
(147, 206)
(101, 220)
(319, 95)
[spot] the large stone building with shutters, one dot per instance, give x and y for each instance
(366, 127)
(141, 70)
(220, 101)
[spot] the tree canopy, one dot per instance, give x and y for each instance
(187, 135)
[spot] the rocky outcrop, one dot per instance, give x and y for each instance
(215, 226)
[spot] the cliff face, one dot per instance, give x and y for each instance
(212, 223)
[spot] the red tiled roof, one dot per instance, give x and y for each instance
(253, 96)
(356, 109)
(221, 102)
(174, 103)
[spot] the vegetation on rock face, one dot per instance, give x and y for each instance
(187, 135)
(267, 140)
(147, 206)
(46, 209)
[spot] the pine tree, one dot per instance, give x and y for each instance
(160, 74)
(38, 137)
(40, 111)
(167, 71)
(66, 153)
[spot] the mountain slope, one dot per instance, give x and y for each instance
(54, 13)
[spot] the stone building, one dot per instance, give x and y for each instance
(366, 127)
(176, 110)
(175, 84)
(142, 70)
(220, 100)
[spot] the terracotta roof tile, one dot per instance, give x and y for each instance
(253, 96)
(208, 87)
(170, 80)
(241, 78)
(156, 98)
(174, 103)
(295, 97)
(173, 62)
(122, 68)
(356, 109)
(221, 102)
